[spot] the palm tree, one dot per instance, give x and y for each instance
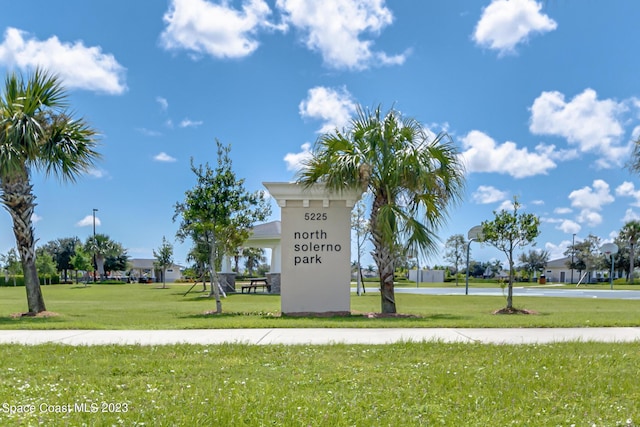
(36, 133)
(411, 178)
(101, 247)
(631, 233)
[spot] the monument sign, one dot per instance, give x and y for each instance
(316, 248)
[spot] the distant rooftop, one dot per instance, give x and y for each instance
(268, 230)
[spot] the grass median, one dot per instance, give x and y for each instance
(135, 306)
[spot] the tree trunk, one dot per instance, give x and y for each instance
(19, 200)
(510, 296)
(631, 255)
(215, 289)
(100, 259)
(510, 290)
(383, 258)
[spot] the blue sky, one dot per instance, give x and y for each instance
(542, 98)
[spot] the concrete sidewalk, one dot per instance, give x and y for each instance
(319, 336)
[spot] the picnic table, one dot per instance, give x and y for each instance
(255, 283)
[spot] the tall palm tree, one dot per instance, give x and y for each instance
(411, 178)
(101, 247)
(631, 233)
(37, 134)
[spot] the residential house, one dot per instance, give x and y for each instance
(144, 269)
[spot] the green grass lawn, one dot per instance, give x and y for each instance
(407, 384)
(404, 384)
(135, 306)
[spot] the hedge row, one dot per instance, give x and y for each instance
(19, 280)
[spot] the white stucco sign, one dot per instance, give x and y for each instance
(316, 248)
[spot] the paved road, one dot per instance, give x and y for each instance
(321, 336)
(538, 291)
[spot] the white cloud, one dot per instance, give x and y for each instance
(630, 215)
(566, 225)
(487, 194)
(163, 157)
(187, 123)
(591, 124)
(36, 218)
(590, 201)
(149, 132)
(334, 107)
(591, 218)
(337, 29)
(482, 154)
(569, 226)
(506, 23)
(164, 104)
(506, 205)
(557, 251)
(87, 221)
(218, 30)
(294, 160)
(562, 211)
(628, 189)
(97, 173)
(593, 198)
(77, 65)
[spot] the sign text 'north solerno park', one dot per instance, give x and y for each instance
(309, 246)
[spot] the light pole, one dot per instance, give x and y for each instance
(94, 245)
(573, 250)
(474, 234)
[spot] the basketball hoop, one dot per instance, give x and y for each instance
(610, 249)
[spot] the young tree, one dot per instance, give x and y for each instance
(219, 212)
(361, 226)
(80, 261)
(37, 133)
(589, 254)
(455, 247)
(411, 177)
(574, 262)
(164, 258)
(508, 231)
(62, 250)
(11, 264)
(45, 264)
